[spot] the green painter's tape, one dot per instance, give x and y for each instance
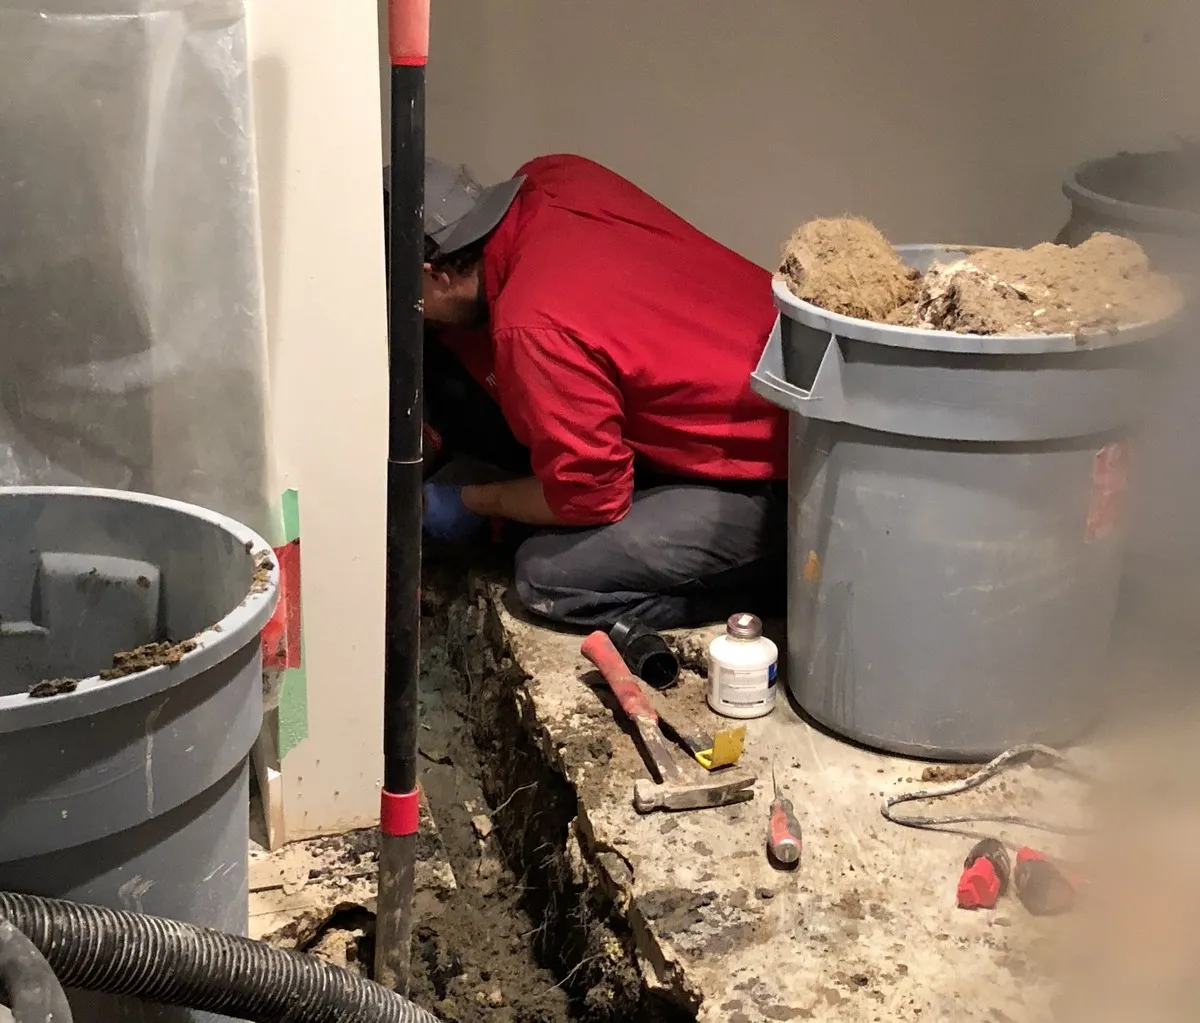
(293, 697)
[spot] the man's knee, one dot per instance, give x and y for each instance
(532, 579)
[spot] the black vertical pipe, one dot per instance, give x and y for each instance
(405, 348)
(408, 46)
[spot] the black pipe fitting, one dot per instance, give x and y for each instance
(645, 652)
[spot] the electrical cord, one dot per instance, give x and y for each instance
(1009, 758)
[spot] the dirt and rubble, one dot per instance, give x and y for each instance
(847, 266)
(52, 687)
(156, 654)
(474, 959)
(147, 656)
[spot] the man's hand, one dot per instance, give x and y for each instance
(446, 517)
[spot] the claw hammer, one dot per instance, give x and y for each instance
(676, 790)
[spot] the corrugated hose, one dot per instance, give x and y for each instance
(172, 963)
(27, 983)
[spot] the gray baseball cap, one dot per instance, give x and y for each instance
(459, 210)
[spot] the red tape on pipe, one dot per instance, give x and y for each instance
(400, 815)
(408, 32)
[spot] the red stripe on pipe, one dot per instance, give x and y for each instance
(408, 32)
(400, 815)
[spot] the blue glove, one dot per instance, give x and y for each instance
(446, 517)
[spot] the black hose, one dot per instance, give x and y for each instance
(34, 993)
(172, 963)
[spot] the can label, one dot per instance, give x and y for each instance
(743, 687)
(1110, 481)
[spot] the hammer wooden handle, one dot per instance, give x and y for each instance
(599, 649)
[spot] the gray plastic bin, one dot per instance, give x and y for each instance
(133, 792)
(955, 524)
(1132, 194)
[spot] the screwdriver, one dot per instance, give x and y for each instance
(783, 832)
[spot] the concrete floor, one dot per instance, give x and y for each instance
(865, 929)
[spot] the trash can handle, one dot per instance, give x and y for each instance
(824, 400)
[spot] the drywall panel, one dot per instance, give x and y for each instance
(317, 109)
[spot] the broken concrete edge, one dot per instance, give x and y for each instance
(592, 863)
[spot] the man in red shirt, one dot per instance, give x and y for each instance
(617, 341)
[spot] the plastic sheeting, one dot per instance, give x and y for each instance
(131, 311)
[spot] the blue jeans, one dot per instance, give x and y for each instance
(687, 553)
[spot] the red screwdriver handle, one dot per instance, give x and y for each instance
(783, 833)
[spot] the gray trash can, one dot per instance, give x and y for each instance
(955, 524)
(1154, 198)
(129, 791)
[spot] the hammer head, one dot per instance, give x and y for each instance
(700, 793)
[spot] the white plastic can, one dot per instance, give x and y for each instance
(741, 669)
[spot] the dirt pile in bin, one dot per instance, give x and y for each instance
(848, 267)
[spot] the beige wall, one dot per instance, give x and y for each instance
(941, 120)
(317, 112)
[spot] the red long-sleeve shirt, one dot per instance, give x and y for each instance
(620, 333)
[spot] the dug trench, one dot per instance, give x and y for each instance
(527, 934)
